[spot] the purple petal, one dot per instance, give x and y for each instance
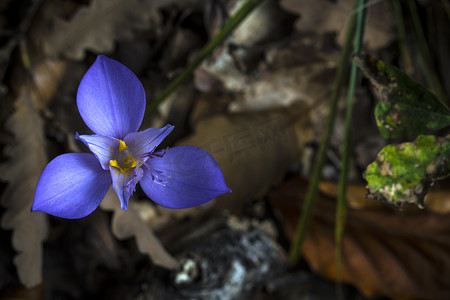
(146, 141)
(111, 99)
(125, 183)
(185, 176)
(71, 186)
(103, 147)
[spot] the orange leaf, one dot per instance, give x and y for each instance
(403, 255)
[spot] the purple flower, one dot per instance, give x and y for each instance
(111, 101)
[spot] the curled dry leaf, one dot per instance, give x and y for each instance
(324, 16)
(99, 25)
(253, 149)
(27, 158)
(400, 255)
(127, 224)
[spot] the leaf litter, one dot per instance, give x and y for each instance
(332, 16)
(127, 224)
(112, 20)
(403, 255)
(23, 168)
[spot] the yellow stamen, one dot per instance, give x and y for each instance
(124, 161)
(122, 146)
(126, 164)
(115, 164)
(130, 162)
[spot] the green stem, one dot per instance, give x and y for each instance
(341, 210)
(221, 36)
(401, 31)
(311, 193)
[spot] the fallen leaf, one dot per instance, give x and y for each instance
(437, 201)
(297, 71)
(285, 86)
(254, 149)
(27, 158)
(402, 255)
(404, 172)
(98, 26)
(127, 224)
(356, 195)
(405, 108)
(323, 16)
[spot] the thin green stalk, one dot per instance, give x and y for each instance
(431, 77)
(401, 31)
(221, 36)
(311, 193)
(341, 209)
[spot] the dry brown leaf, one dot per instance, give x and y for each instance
(356, 195)
(403, 255)
(27, 158)
(282, 87)
(296, 71)
(439, 201)
(436, 201)
(253, 149)
(286, 86)
(98, 26)
(322, 16)
(127, 224)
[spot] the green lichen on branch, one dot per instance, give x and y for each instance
(405, 108)
(404, 172)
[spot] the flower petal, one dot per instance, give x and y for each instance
(146, 141)
(185, 176)
(71, 186)
(111, 99)
(103, 147)
(125, 183)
